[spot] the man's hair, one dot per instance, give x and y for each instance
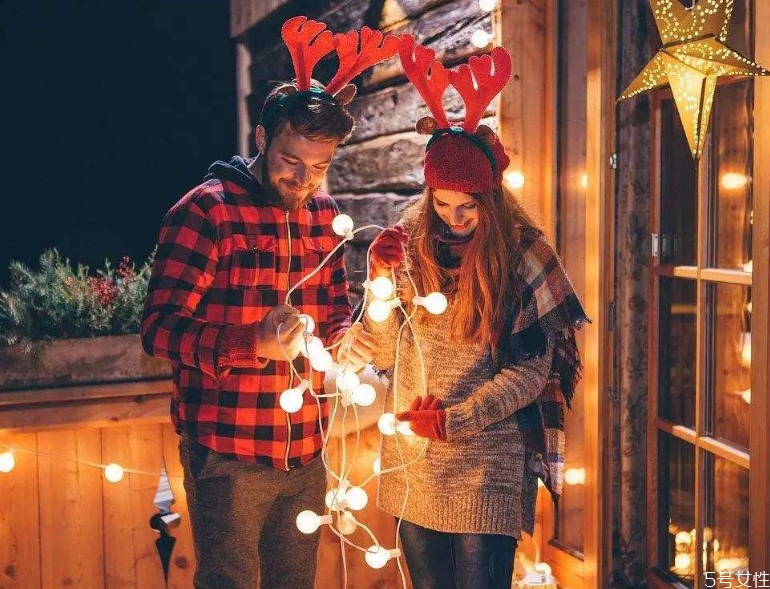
(314, 117)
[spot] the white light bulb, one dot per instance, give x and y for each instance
(480, 39)
(7, 462)
(312, 347)
(348, 523)
(347, 380)
(515, 179)
(291, 400)
(435, 303)
(575, 476)
(382, 287)
(343, 225)
(682, 561)
(377, 466)
(322, 361)
(308, 522)
(356, 498)
(307, 320)
(364, 395)
(387, 424)
(377, 557)
(683, 538)
(113, 472)
(379, 310)
(404, 428)
(487, 5)
(335, 499)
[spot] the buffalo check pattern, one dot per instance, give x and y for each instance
(226, 256)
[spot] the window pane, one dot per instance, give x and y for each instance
(676, 507)
(729, 363)
(731, 187)
(572, 184)
(678, 192)
(676, 350)
(726, 531)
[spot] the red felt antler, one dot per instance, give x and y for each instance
(426, 74)
(307, 41)
(375, 47)
(488, 84)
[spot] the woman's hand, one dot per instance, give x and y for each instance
(426, 417)
(388, 250)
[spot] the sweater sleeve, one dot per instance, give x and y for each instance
(386, 334)
(511, 389)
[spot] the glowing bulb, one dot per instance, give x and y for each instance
(308, 322)
(746, 349)
(356, 498)
(348, 523)
(291, 400)
(682, 561)
(683, 538)
(575, 476)
(343, 225)
(745, 395)
(347, 380)
(322, 361)
(308, 522)
(336, 499)
(7, 462)
(404, 428)
(313, 346)
(543, 568)
(364, 395)
(377, 466)
(733, 181)
(377, 557)
(379, 310)
(113, 472)
(487, 5)
(514, 178)
(382, 287)
(435, 303)
(387, 424)
(583, 180)
(480, 39)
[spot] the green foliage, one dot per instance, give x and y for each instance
(61, 301)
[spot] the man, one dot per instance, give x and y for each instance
(229, 253)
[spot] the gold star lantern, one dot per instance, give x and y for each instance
(693, 56)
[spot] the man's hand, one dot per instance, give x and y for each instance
(357, 348)
(426, 417)
(269, 343)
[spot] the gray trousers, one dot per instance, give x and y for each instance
(244, 520)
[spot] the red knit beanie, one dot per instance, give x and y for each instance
(466, 157)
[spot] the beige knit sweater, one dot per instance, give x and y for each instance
(477, 481)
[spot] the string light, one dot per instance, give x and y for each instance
(308, 321)
(348, 523)
(377, 466)
(515, 179)
(575, 476)
(356, 498)
(313, 347)
(336, 498)
(404, 428)
(291, 400)
(377, 556)
(381, 287)
(309, 521)
(347, 380)
(343, 225)
(364, 395)
(481, 39)
(435, 303)
(387, 424)
(734, 181)
(322, 361)
(7, 462)
(379, 310)
(487, 5)
(113, 472)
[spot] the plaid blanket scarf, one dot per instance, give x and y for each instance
(548, 308)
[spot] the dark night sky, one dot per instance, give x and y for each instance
(113, 110)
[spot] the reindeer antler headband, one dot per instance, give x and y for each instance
(308, 41)
(478, 82)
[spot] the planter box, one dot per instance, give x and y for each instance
(67, 362)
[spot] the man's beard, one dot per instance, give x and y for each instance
(273, 193)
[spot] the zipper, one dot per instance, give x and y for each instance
(288, 286)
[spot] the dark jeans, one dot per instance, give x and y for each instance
(438, 560)
(243, 520)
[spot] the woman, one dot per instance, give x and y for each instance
(499, 363)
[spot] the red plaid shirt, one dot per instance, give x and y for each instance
(223, 258)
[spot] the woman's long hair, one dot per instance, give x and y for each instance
(487, 288)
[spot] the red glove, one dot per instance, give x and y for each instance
(426, 418)
(388, 250)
